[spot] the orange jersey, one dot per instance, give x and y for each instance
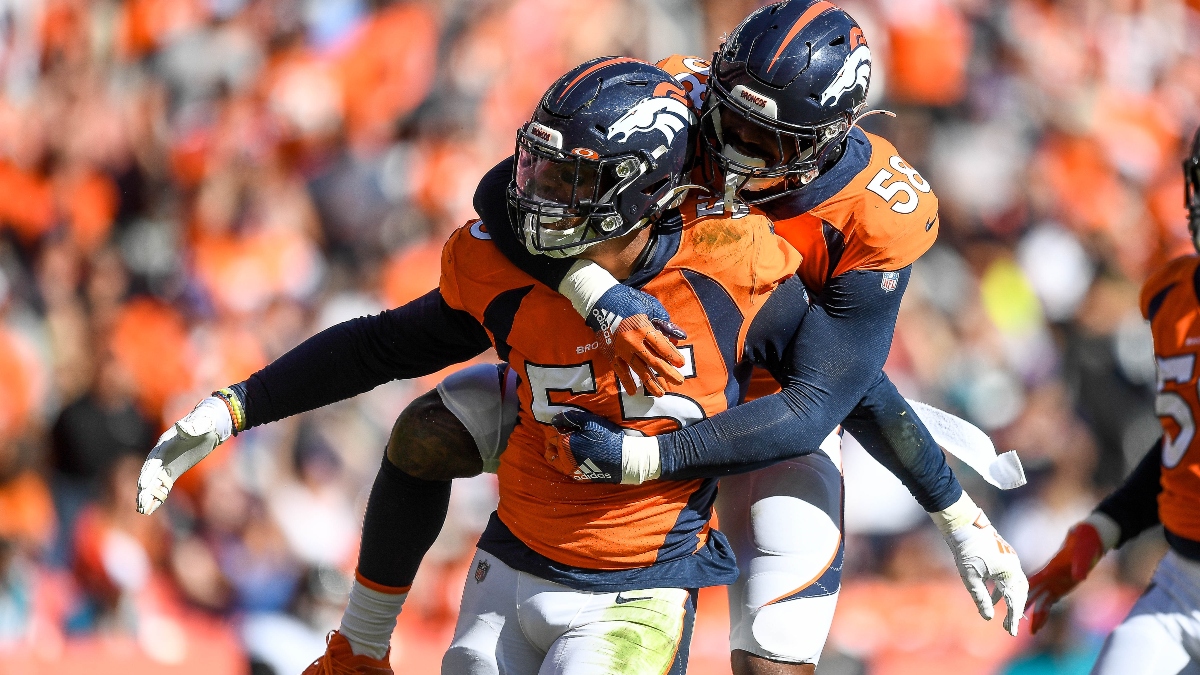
(1170, 300)
(713, 277)
(871, 211)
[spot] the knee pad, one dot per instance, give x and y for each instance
(460, 660)
(785, 526)
(484, 399)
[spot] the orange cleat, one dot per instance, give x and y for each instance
(340, 659)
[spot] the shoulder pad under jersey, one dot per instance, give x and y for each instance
(741, 251)
(1180, 271)
(692, 73)
(887, 213)
(474, 271)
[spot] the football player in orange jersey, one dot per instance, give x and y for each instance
(779, 619)
(779, 137)
(577, 572)
(1161, 635)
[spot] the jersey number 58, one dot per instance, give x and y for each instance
(880, 186)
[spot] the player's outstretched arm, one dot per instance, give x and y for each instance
(353, 357)
(632, 327)
(1127, 512)
(182, 446)
(417, 339)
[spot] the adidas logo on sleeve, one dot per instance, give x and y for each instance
(589, 471)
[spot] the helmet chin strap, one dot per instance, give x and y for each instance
(733, 180)
(674, 197)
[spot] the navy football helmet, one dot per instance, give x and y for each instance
(784, 91)
(1191, 181)
(605, 152)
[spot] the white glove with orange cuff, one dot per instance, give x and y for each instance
(182, 446)
(982, 555)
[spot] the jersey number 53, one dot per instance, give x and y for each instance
(581, 379)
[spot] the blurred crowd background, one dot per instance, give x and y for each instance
(188, 188)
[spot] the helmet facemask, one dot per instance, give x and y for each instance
(565, 202)
(764, 158)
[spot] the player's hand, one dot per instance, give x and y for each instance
(1080, 552)
(592, 449)
(182, 446)
(982, 555)
(635, 333)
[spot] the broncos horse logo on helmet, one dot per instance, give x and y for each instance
(855, 73)
(604, 154)
(785, 90)
(661, 113)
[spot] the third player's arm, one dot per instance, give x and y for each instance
(1134, 505)
(1122, 515)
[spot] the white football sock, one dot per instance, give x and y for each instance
(369, 620)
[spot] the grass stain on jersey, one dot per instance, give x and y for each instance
(645, 632)
(716, 234)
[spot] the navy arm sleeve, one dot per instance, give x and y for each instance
(491, 203)
(417, 339)
(1134, 505)
(888, 429)
(831, 371)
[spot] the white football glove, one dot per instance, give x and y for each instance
(982, 555)
(182, 446)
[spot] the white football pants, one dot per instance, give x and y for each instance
(514, 623)
(784, 522)
(1161, 635)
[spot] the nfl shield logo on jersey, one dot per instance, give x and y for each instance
(481, 571)
(890, 281)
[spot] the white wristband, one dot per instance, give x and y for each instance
(958, 515)
(1106, 527)
(584, 285)
(639, 460)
